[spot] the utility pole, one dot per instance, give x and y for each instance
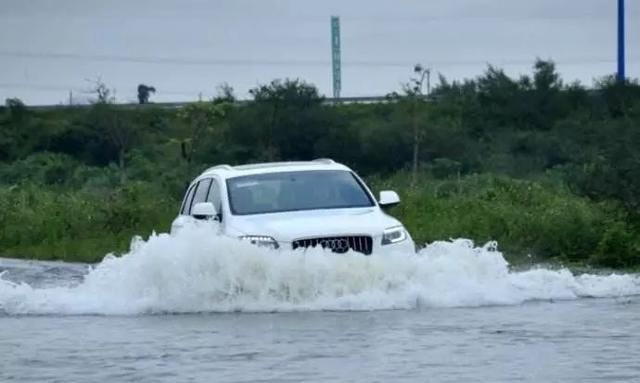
(621, 75)
(416, 94)
(428, 71)
(335, 56)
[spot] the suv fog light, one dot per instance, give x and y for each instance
(394, 235)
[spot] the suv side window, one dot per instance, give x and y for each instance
(201, 192)
(186, 204)
(214, 196)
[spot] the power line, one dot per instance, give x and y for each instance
(158, 60)
(75, 88)
(279, 62)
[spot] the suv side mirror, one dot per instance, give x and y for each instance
(204, 210)
(388, 198)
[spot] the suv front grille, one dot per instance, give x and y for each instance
(360, 243)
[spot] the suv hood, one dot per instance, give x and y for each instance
(289, 226)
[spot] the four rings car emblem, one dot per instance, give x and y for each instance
(338, 245)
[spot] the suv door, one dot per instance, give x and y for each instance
(214, 197)
(201, 192)
(185, 208)
(197, 193)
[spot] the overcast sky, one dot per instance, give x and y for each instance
(187, 47)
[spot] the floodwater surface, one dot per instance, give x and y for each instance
(198, 308)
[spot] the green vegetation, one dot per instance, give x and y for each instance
(79, 225)
(550, 171)
(532, 222)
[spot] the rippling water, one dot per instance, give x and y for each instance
(203, 308)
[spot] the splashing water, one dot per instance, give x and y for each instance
(195, 271)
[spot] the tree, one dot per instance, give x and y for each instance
(414, 97)
(289, 118)
(102, 93)
(144, 91)
(14, 118)
(115, 125)
(547, 104)
(617, 96)
(224, 94)
(200, 119)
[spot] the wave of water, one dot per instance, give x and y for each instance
(195, 271)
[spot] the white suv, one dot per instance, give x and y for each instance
(296, 205)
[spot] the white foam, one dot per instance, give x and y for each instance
(199, 272)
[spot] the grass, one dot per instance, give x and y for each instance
(532, 222)
(80, 226)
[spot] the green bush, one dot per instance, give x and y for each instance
(528, 220)
(47, 224)
(619, 247)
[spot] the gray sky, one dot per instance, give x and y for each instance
(184, 47)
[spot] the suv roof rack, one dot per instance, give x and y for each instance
(223, 166)
(324, 160)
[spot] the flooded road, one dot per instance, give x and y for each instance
(577, 341)
(174, 309)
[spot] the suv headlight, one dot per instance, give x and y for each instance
(393, 235)
(261, 240)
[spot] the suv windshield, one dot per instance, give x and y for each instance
(302, 190)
